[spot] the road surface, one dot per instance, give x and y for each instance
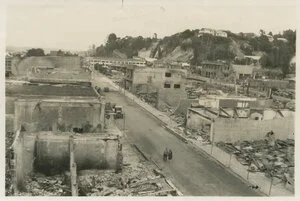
(191, 172)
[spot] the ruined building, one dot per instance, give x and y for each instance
(56, 129)
(166, 85)
(231, 119)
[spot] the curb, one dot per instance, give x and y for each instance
(228, 169)
(142, 153)
(183, 139)
(172, 185)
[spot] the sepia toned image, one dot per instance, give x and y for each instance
(150, 98)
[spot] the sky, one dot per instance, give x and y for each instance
(76, 24)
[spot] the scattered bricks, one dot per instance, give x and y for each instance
(273, 159)
(41, 185)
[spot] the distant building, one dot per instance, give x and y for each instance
(248, 60)
(206, 31)
(213, 69)
(116, 61)
(253, 60)
(248, 35)
(53, 53)
(82, 53)
(292, 69)
(118, 54)
(243, 71)
(184, 64)
(11, 63)
(212, 32)
(270, 38)
(221, 34)
(8, 64)
(169, 84)
(282, 39)
(221, 101)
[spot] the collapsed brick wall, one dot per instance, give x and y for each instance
(231, 130)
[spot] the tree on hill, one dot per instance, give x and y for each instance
(60, 53)
(35, 52)
(127, 45)
(111, 38)
(187, 34)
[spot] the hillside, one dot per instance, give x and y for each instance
(193, 47)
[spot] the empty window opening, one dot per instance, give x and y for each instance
(167, 86)
(167, 74)
(176, 86)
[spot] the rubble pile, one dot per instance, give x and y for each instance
(199, 135)
(163, 107)
(277, 104)
(225, 89)
(150, 98)
(108, 183)
(138, 178)
(179, 119)
(285, 93)
(191, 94)
(41, 185)
(9, 138)
(273, 157)
(291, 105)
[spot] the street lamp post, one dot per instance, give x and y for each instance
(124, 122)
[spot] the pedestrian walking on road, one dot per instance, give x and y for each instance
(165, 155)
(170, 154)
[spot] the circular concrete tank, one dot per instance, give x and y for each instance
(52, 153)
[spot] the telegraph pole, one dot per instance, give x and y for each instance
(235, 86)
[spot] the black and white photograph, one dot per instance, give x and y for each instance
(149, 98)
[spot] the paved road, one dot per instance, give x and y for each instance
(191, 172)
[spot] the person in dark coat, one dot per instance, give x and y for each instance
(170, 154)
